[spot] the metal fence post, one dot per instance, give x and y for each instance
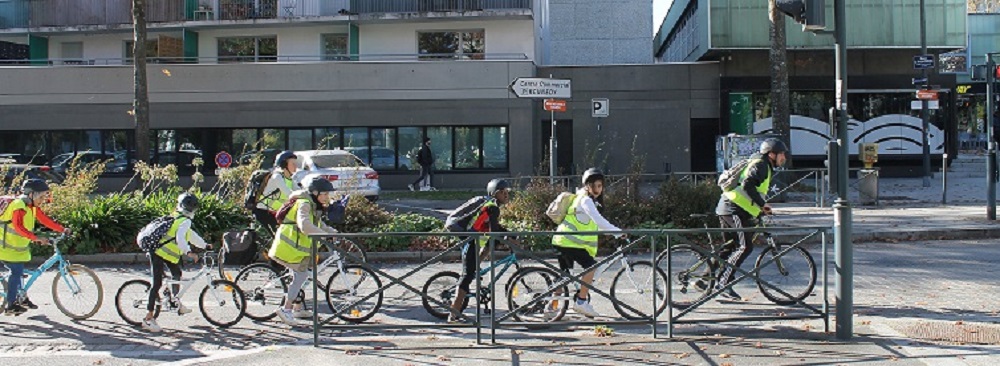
(670, 291)
(944, 179)
(315, 315)
(652, 260)
(493, 295)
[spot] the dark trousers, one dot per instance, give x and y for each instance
(157, 265)
(470, 261)
(737, 252)
(14, 282)
(425, 172)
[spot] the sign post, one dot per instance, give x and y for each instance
(600, 108)
(542, 88)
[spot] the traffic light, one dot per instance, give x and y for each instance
(810, 13)
(832, 158)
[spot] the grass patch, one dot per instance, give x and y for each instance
(430, 195)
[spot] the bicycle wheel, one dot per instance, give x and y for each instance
(633, 285)
(691, 275)
(529, 284)
(229, 271)
(350, 247)
(347, 287)
(442, 287)
(78, 292)
(794, 273)
(131, 300)
(264, 290)
(222, 303)
(3, 294)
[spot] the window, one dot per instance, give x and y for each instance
(273, 139)
(248, 49)
(356, 142)
(452, 44)
(300, 140)
(467, 147)
(152, 51)
(72, 53)
(334, 47)
(410, 139)
(244, 141)
(495, 147)
(335, 161)
(383, 148)
(328, 138)
(440, 146)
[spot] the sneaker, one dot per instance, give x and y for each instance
(585, 309)
(181, 309)
(151, 326)
(285, 316)
(700, 285)
(411, 188)
(730, 295)
(25, 302)
(551, 311)
(453, 319)
(302, 314)
(15, 310)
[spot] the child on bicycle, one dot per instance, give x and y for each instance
(19, 221)
(740, 207)
(486, 220)
(279, 187)
(293, 245)
(581, 249)
(179, 239)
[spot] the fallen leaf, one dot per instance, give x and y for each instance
(99, 362)
(573, 349)
(443, 358)
(893, 358)
(725, 355)
(550, 361)
(352, 352)
(866, 322)
(432, 338)
(758, 345)
(726, 364)
(130, 112)
(779, 353)
(166, 72)
(518, 352)
(635, 348)
(377, 348)
(959, 322)
(682, 355)
(703, 348)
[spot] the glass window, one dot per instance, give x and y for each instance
(116, 144)
(335, 47)
(328, 138)
(335, 161)
(451, 44)
(466, 147)
(383, 148)
(300, 140)
(165, 140)
(35, 147)
(356, 142)
(440, 146)
(410, 139)
(248, 49)
(152, 51)
(273, 139)
(495, 147)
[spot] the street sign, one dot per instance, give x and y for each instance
(223, 159)
(555, 105)
(927, 95)
(919, 104)
(600, 107)
(541, 88)
(921, 62)
(919, 81)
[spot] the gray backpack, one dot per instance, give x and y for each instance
(730, 178)
(150, 238)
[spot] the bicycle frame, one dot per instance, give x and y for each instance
(186, 284)
(35, 274)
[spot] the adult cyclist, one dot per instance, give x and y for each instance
(741, 206)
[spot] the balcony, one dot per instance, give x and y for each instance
(71, 13)
(424, 6)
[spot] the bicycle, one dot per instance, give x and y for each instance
(443, 286)
(635, 277)
(266, 287)
(219, 295)
(696, 271)
(73, 282)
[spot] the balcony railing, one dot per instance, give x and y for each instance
(66, 13)
(422, 6)
(444, 57)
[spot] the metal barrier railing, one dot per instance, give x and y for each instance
(660, 299)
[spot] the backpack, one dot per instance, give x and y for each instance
(282, 212)
(336, 213)
(464, 213)
(240, 247)
(730, 178)
(5, 201)
(255, 188)
(150, 238)
(559, 207)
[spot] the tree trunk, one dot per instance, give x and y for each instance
(140, 105)
(779, 75)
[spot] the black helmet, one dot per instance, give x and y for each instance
(318, 184)
(34, 186)
(773, 145)
(281, 160)
(591, 175)
(187, 204)
(496, 185)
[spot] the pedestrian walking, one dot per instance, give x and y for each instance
(426, 160)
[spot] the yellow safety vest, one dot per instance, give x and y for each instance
(14, 247)
(170, 251)
(290, 244)
(274, 203)
(572, 223)
(739, 196)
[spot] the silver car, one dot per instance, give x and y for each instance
(346, 171)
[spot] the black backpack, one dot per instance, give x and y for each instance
(458, 220)
(255, 188)
(150, 238)
(730, 178)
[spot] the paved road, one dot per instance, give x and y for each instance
(917, 303)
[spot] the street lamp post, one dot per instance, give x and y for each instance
(991, 156)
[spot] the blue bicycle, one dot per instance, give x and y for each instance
(443, 285)
(77, 291)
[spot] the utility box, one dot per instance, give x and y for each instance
(868, 186)
(868, 153)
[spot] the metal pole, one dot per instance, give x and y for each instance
(924, 112)
(842, 209)
(315, 315)
(944, 179)
(652, 293)
(991, 156)
(670, 285)
(552, 147)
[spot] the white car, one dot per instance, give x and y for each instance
(346, 171)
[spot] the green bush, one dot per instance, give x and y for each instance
(404, 223)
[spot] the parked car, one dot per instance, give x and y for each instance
(347, 172)
(60, 164)
(184, 160)
(30, 172)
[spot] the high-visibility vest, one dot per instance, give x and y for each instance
(477, 225)
(14, 247)
(170, 251)
(290, 244)
(739, 196)
(572, 223)
(274, 202)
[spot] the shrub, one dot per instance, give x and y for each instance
(409, 222)
(362, 215)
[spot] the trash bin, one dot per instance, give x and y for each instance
(868, 187)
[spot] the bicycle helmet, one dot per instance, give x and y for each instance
(773, 145)
(317, 185)
(281, 160)
(34, 185)
(187, 204)
(591, 175)
(496, 185)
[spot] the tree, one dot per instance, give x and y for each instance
(140, 103)
(780, 116)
